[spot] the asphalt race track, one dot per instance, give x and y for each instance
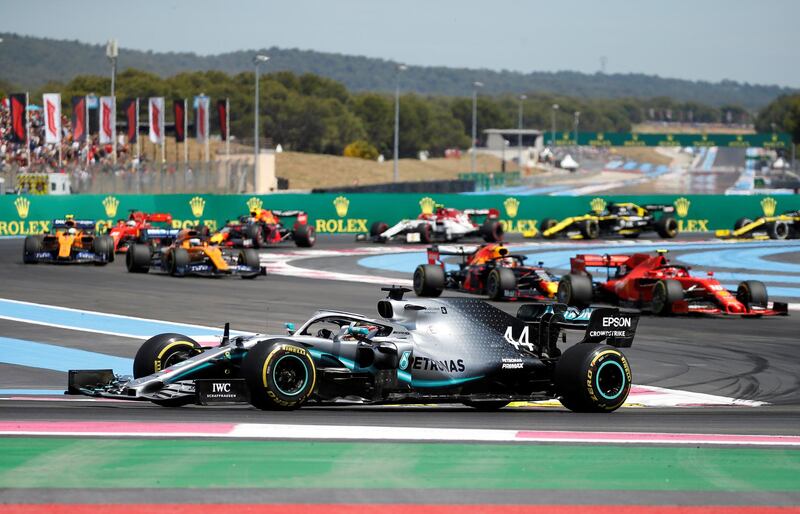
(744, 362)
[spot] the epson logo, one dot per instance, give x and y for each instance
(224, 387)
(617, 322)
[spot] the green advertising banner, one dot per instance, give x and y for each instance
(600, 139)
(354, 213)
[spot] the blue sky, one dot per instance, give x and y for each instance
(750, 41)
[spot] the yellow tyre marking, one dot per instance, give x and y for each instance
(157, 362)
(292, 350)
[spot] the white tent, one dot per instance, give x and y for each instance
(568, 163)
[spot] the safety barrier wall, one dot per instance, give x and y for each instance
(353, 213)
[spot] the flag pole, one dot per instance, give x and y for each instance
(137, 128)
(114, 128)
(227, 128)
(86, 124)
(185, 131)
(28, 131)
(206, 119)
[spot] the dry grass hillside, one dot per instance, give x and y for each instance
(306, 171)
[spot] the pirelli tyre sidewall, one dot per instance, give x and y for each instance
(161, 351)
(593, 378)
(280, 375)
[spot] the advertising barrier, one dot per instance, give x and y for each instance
(354, 213)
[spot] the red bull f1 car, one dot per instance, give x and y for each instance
(182, 252)
(783, 226)
(624, 219)
(651, 282)
(455, 350)
(489, 270)
(69, 241)
(128, 232)
(442, 225)
(264, 228)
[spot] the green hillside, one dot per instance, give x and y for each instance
(30, 62)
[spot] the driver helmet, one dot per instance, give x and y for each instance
(131, 223)
(72, 231)
(195, 241)
(509, 262)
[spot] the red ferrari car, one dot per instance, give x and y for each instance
(488, 270)
(652, 282)
(128, 232)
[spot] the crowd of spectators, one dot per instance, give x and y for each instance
(44, 157)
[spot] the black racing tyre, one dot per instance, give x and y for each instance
(304, 236)
(378, 228)
(110, 243)
(486, 405)
(667, 227)
(177, 259)
(741, 222)
(160, 352)
(547, 224)
(255, 233)
(575, 290)
(665, 293)
(778, 229)
(425, 233)
(499, 281)
(137, 258)
(102, 246)
(429, 280)
(33, 244)
(592, 378)
(752, 293)
(590, 229)
(279, 374)
(492, 231)
(249, 257)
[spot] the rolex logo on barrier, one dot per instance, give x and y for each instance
(427, 205)
(198, 205)
(682, 206)
(348, 226)
(598, 205)
(23, 205)
(342, 204)
(768, 205)
(111, 204)
(688, 225)
(512, 207)
(254, 204)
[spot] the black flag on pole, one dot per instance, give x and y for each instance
(180, 120)
(79, 119)
(18, 105)
(131, 119)
(222, 111)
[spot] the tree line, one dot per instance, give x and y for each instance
(311, 113)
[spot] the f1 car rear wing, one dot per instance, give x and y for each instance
(490, 213)
(582, 261)
(160, 233)
(158, 217)
(658, 207)
(79, 224)
(609, 324)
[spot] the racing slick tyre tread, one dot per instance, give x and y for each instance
(429, 280)
(590, 229)
(665, 293)
(137, 258)
(425, 233)
(103, 246)
(492, 231)
(741, 222)
(249, 257)
(667, 227)
(160, 352)
(778, 230)
(752, 292)
(378, 228)
(178, 258)
(304, 236)
(255, 233)
(575, 290)
(499, 281)
(33, 244)
(547, 224)
(592, 378)
(279, 374)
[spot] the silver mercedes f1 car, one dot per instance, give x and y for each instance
(444, 350)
